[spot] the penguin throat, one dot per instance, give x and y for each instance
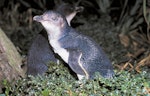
(53, 33)
(57, 33)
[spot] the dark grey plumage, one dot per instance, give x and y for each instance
(83, 55)
(39, 55)
(93, 58)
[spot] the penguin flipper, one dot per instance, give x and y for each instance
(75, 63)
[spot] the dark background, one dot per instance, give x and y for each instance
(120, 27)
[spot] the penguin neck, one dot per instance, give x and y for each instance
(64, 32)
(58, 34)
(70, 17)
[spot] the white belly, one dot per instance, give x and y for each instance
(63, 53)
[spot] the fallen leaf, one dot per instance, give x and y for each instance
(143, 62)
(124, 39)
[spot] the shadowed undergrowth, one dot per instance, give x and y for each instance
(59, 81)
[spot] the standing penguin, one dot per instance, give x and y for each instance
(40, 53)
(80, 52)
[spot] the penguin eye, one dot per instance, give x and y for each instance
(54, 18)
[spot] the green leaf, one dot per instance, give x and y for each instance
(45, 92)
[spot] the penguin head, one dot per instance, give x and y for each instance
(52, 21)
(69, 10)
(74, 11)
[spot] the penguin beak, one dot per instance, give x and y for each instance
(79, 9)
(37, 18)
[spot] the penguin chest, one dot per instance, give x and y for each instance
(63, 53)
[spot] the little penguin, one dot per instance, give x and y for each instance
(80, 52)
(40, 53)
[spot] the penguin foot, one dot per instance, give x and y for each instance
(80, 77)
